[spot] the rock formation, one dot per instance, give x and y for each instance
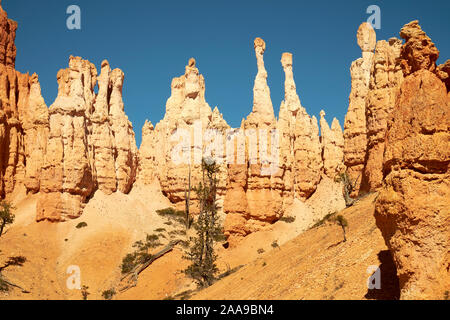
(355, 130)
(253, 199)
(333, 147)
(412, 209)
(84, 142)
(386, 78)
(8, 35)
(91, 142)
(23, 118)
(189, 131)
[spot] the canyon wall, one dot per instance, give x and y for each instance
(23, 118)
(413, 208)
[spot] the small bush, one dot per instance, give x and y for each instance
(177, 216)
(220, 237)
(184, 244)
(170, 212)
(129, 262)
(275, 244)
(84, 292)
(342, 222)
(328, 217)
(3, 285)
(261, 251)
(160, 230)
(81, 225)
(14, 261)
(177, 232)
(229, 272)
(108, 294)
(288, 219)
(6, 216)
(140, 255)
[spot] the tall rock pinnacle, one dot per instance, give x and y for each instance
(333, 146)
(262, 103)
(355, 140)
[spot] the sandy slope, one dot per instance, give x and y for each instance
(313, 265)
(113, 223)
(317, 265)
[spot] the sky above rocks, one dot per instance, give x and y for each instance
(152, 41)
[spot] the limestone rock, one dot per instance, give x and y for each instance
(102, 138)
(355, 132)
(412, 210)
(300, 145)
(67, 176)
(444, 73)
(418, 52)
(333, 147)
(23, 118)
(189, 131)
(7, 37)
(35, 125)
(91, 143)
(386, 78)
(366, 37)
(124, 139)
(255, 200)
(262, 103)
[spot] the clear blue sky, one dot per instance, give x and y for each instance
(151, 41)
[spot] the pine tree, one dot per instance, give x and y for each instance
(6, 216)
(203, 267)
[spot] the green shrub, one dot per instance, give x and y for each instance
(6, 216)
(140, 255)
(108, 294)
(3, 285)
(201, 253)
(170, 212)
(81, 225)
(342, 222)
(275, 244)
(328, 217)
(177, 232)
(84, 292)
(287, 219)
(261, 251)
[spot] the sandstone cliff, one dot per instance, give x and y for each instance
(412, 209)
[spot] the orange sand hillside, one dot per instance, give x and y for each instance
(317, 265)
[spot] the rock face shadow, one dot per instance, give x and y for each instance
(390, 289)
